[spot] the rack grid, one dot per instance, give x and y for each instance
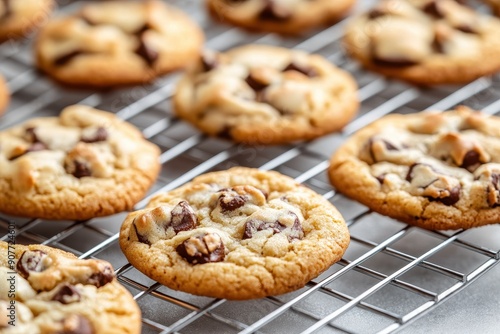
(391, 274)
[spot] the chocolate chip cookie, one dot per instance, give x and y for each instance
(117, 43)
(426, 42)
(235, 234)
(46, 290)
(259, 94)
(4, 95)
(436, 170)
(285, 17)
(19, 18)
(83, 164)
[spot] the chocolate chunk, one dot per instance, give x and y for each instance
(142, 29)
(203, 248)
(471, 160)
(101, 134)
(31, 261)
(393, 62)
(30, 135)
(147, 53)
(76, 324)
(209, 60)
(225, 133)
(87, 20)
(140, 237)
(7, 10)
(102, 277)
(306, 70)
(452, 198)
(388, 146)
(451, 195)
(376, 13)
(253, 226)
(466, 28)
(65, 59)
(493, 191)
(434, 9)
(229, 200)
(381, 178)
(274, 11)
(256, 84)
(79, 169)
(67, 294)
(183, 217)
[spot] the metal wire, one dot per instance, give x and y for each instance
(385, 256)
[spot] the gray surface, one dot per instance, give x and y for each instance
(473, 310)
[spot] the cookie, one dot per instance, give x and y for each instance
(46, 290)
(259, 94)
(19, 18)
(118, 43)
(4, 95)
(426, 42)
(285, 17)
(435, 170)
(235, 234)
(85, 163)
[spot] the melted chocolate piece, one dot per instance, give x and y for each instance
(101, 278)
(381, 178)
(31, 261)
(434, 9)
(65, 59)
(67, 294)
(306, 70)
(101, 134)
(140, 237)
(81, 169)
(229, 201)
(209, 61)
(255, 83)
(393, 62)
(147, 53)
(204, 248)
(376, 13)
(225, 133)
(183, 217)
(471, 159)
(273, 11)
(494, 187)
(253, 226)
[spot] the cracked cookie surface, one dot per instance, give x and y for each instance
(19, 18)
(235, 234)
(425, 41)
(259, 94)
(85, 163)
(118, 43)
(436, 170)
(54, 292)
(281, 16)
(4, 95)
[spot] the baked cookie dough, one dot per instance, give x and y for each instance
(4, 95)
(289, 17)
(19, 18)
(85, 163)
(426, 42)
(436, 170)
(259, 94)
(118, 43)
(235, 234)
(45, 290)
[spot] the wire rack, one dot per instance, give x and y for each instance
(391, 274)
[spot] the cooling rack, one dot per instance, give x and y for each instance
(392, 273)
